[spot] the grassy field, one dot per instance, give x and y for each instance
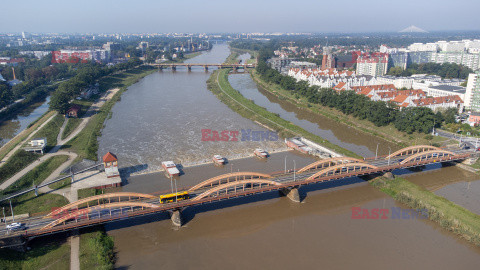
(249, 109)
(73, 123)
(446, 213)
(96, 250)
(389, 133)
(37, 175)
(53, 255)
(16, 163)
(50, 131)
(24, 134)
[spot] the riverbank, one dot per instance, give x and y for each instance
(22, 136)
(85, 144)
(447, 214)
(219, 85)
(388, 133)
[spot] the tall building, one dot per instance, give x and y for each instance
(373, 64)
(472, 94)
(327, 61)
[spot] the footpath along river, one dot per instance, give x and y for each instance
(160, 118)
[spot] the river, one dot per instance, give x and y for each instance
(160, 118)
(11, 128)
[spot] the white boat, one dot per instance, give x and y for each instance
(218, 160)
(170, 168)
(260, 153)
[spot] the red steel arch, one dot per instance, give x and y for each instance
(349, 167)
(100, 197)
(226, 188)
(412, 150)
(86, 211)
(428, 155)
(329, 162)
(229, 177)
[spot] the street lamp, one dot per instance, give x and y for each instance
(11, 209)
(4, 218)
(176, 191)
(294, 170)
(389, 150)
(171, 183)
(285, 164)
(376, 152)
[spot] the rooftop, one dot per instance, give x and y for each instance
(450, 88)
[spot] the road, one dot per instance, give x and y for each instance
(472, 142)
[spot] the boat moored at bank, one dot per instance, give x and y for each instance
(170, 169)
(218, 160)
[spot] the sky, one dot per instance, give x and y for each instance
(214, 16)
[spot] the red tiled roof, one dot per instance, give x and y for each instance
(74, 108)
(109, 157)
(400, 98)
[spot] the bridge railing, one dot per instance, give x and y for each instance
(187, 203)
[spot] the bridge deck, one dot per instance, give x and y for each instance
(101, 215)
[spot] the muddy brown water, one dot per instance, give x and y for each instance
(455, 184)
(271, 232)
(266, 231)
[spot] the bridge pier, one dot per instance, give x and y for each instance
(160, 68)
(176, 217)
(291, 193)
(389, 175)
(205, 68)
(174, 68)
(189, 68)
(235, 69)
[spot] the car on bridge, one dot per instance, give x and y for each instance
(16, 226)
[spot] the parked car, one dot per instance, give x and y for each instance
(15, 226)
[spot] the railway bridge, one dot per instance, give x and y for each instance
(112, 207)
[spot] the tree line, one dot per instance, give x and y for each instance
(86, 75)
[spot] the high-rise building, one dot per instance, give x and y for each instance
(472, 94)
(327, 61)
(373, 64)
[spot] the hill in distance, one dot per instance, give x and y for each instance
(413, 29)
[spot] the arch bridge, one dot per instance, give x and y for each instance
(86, 213)
(342, 169)
(121, 205)
(235, 187)
(99, 199)
(229, 177)
(412, 150)
(428, 155)
(328, 163)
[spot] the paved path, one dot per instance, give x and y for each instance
(75, 251)
(55, 150)
(62, 128)
(15, 149)
(37, 162)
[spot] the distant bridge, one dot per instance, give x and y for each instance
(110, 207)
(189, 66)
